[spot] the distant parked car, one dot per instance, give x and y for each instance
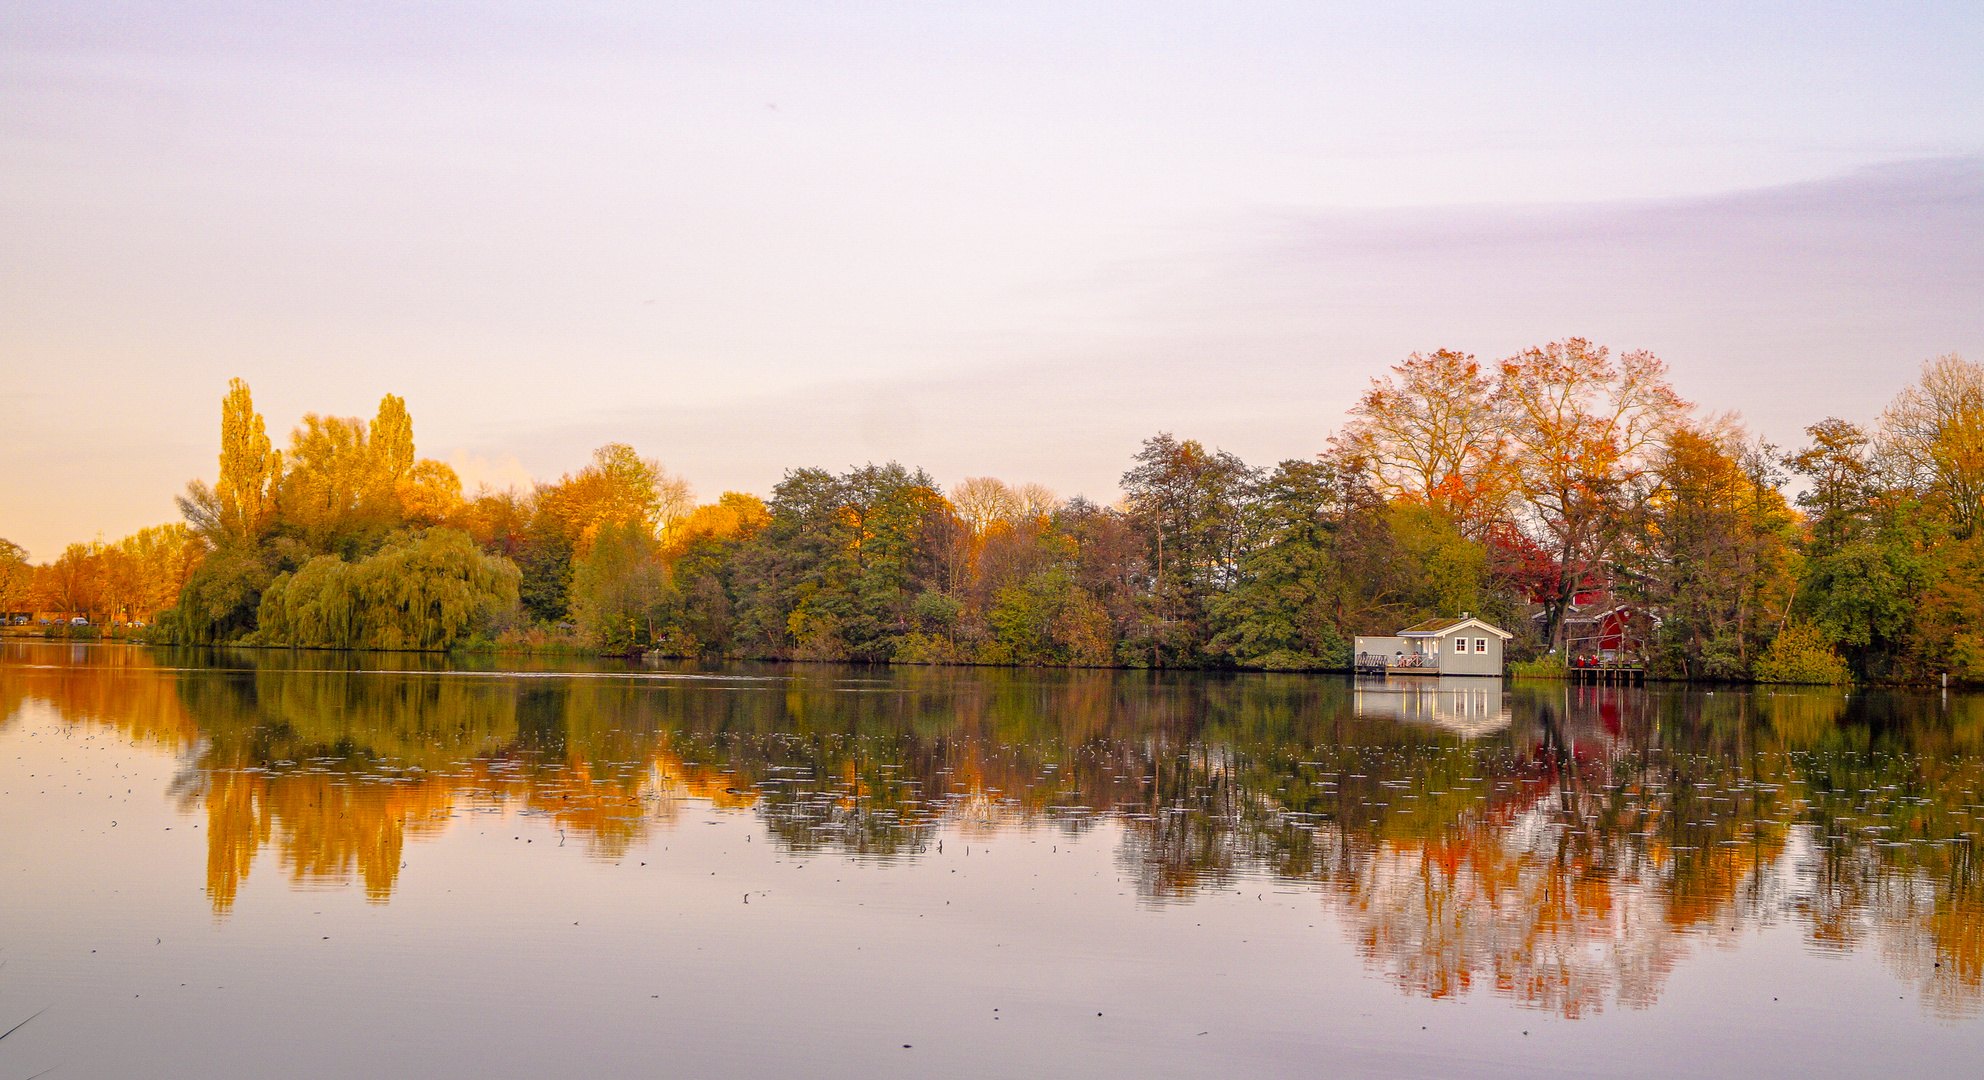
(79, 621)
(20, 620)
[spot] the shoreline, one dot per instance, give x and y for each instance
(575, 652)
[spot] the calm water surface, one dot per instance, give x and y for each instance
(318, 865)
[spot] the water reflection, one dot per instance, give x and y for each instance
(1465, 706)
(1562, 846)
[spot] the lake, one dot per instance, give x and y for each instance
(253, 864)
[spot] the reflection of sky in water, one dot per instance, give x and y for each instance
(1588, 853)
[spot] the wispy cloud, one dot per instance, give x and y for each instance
(1786, 304)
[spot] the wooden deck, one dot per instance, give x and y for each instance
(1382, 664)
(1609, 674)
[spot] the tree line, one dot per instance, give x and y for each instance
(1545, 492)
(125, 581)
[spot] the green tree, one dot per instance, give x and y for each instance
(1802, 653)
(1191, 504)
(1441, 573)
(1296, 593)
(839, 562)
(220, 601)
(620, 588)
(1869, 551)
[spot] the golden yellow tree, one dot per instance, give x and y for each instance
(16, 579)
(733, 514)
(430, 493)
(619, 487)
(333, 480)
(392, 439)
(161, 559)
(241, 506)
(1932, 437)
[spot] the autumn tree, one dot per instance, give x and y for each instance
(73, 583)
(699, 613)
(344, 488)
(241, 506)
(618, 487)
(1841, 482)
(166, 557)
(1713, 553)
(1110, 561)
(1035, 502)
(1585, 433)
(512, 523)
(338, 496)
(984, 501)
(984, 505)
(1932, 439)
(391, 437)
(1435, 432)
(16, 580)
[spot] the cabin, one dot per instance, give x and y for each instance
(1463, 646)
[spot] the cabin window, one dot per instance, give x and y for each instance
(1460, 644)
(1480, 644)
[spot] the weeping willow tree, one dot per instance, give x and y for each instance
(425, 592)
(314, 607)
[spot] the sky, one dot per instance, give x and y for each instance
(1010, 239)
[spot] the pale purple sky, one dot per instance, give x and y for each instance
(1005, 239)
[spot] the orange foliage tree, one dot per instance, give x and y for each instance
(1585, 432)
(1435, 432)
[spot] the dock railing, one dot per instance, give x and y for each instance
(1380, 663)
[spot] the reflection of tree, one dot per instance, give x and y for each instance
(114, 686)
(1568, 861)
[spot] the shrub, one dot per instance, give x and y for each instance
(1549, 666)
(1802, 653)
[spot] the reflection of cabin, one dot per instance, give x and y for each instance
(1466, 706)
(1463, 646)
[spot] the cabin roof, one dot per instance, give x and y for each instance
(1436, 627)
